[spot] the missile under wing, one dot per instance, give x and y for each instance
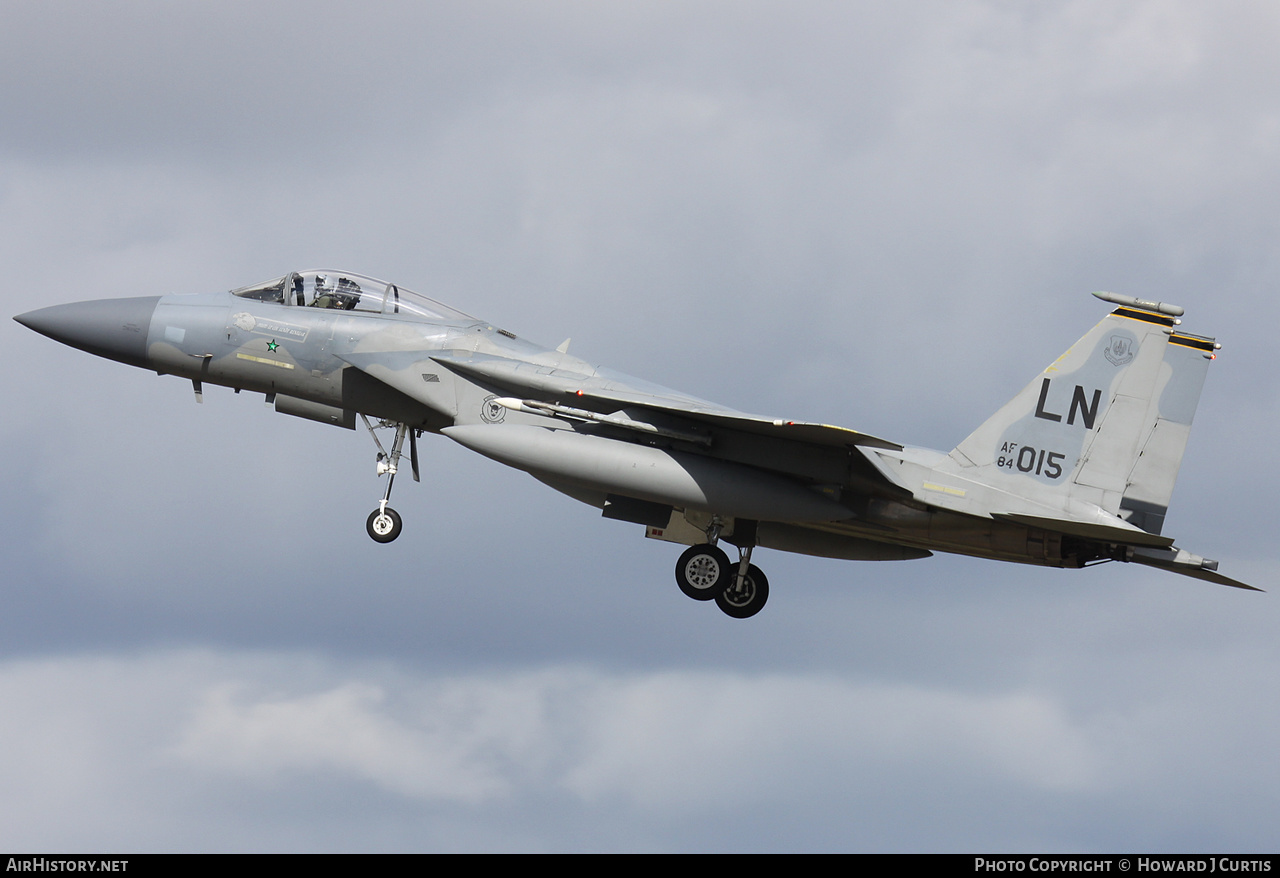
(1077, 469)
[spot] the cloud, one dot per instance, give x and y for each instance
(134, 752)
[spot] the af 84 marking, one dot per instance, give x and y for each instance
(1026, 459)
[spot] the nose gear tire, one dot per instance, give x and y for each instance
(384, 525)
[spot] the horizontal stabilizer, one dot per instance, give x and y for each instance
(1211, 576)
(1152, 550)
(1180, 561)
(1103, 533)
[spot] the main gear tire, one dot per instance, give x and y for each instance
(742, 600)
(703, 572)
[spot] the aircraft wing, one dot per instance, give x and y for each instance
(599, 391)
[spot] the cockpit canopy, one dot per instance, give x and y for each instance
(345, 291)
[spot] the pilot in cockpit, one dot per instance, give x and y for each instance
(323, 297)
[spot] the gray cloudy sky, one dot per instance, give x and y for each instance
(882, 215)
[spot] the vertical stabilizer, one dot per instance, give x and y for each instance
(1150, 482)
(1106, 423)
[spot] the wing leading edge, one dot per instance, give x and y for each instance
(597, 393)
(588, 390)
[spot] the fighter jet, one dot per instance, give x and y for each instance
(1077, 469)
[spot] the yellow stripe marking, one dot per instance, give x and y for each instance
(265, 360)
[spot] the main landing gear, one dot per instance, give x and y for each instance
(746, 595)
(705, 573)
(384, 523)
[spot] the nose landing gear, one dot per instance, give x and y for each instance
(384, 523)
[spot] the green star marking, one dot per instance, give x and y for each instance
(271, 345)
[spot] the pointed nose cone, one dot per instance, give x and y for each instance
(111, 328)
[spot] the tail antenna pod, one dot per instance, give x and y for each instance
(1134, 302)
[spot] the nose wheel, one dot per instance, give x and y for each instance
(384, 524)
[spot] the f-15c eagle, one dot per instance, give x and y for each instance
(1077, 469)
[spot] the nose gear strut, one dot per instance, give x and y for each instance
(384, 523)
